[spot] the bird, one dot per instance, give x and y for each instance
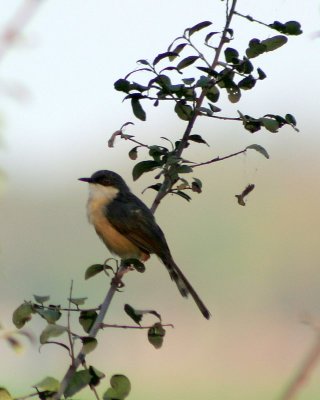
(128, 227)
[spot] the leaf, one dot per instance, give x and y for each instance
(196, 185)
(213, 94)
(137, 109)
(121, 384)
(247, 83)
(111, 394)
(133, 153)
(51, 330)
(214, 108)
(198, 27)
(136, 315)
(122, 85)
(255, 48)
(274, 42)
(293, 28)
(93, 270)
(143, 167)
(231, 55)
(4, 394)
(41, 299)
(182, 194)
(78, 381)
(290, 119)
(51, 315)
(78, 301)
(96, 376)
(186, 62)
(197, 139)
(259, 149)
(22, 315)
(156, 335)
(137, 264)
(261, 74)
(87, 319)
(272, 125)
(241, 197)
(161, 56)
(184, 111)
(177, 50)
(48, 384)
(184, 169)
(89, 344)
(209, 36)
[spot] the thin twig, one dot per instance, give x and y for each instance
(68, 324)
(131, 326)
(28, 396)
(216, 159)
(304, 372)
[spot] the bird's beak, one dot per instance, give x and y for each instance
(89, 180)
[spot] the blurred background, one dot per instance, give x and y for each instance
(256, 267)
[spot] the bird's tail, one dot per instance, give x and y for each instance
(183, 284)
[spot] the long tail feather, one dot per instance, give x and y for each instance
(183, 284)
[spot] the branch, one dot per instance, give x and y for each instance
(304, 372)
(167, 183)
(131, 326)
(219, 158)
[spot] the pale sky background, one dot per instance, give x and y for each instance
(256, 267)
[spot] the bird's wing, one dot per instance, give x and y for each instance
(133, 219)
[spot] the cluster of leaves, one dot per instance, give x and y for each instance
(233, 75)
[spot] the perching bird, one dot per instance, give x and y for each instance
(128, 228)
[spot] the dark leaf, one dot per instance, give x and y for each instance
(182, 194)
(198, 27)
(214, 108)
(137, 109)
(291, 119)
(255, 48)
(231, 55)
(187, 61)
(197, 139)
(143, 62)
(188, 81)
(87, 319)
(177, 50)
(261, 74)
(272, 125)
(161, 56)
(274, 42)
(51, 315)
(196, 185)
(247, 83)
(135, 263)
(122, 85)
(93, 270)
(96, 376)
(136, 315)
(89, 344)
(208, 71)
(209, 36)
(213, 94)
(259, 149)
(144, 166)
(133, 153)
(184, 169)
(246, 191)
(293, 28)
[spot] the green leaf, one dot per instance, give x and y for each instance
(293, 28)
(261, 74)
(161, 56)
(213, 94)
(156, 335)
(41, 299)
(272, 125)
(51, 330)
(143, 167)
(22, 315)
(78, 301)
(290, 119)
(48, 384)
(137, 109)
(87, 319)
(184, 111)
(255, 48)
(93, 270)
(188, 81)
(197, 139)
(137, 264)
(121, 384)
(274, 42)
(111, 394)
(136, 315)
(51, 315)
(4, 394)
(259, 149)
(231, 55)
(198, 27)
(234, 93)
(214, 108)
(78, 382)
(89, 344)
(186, 62)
